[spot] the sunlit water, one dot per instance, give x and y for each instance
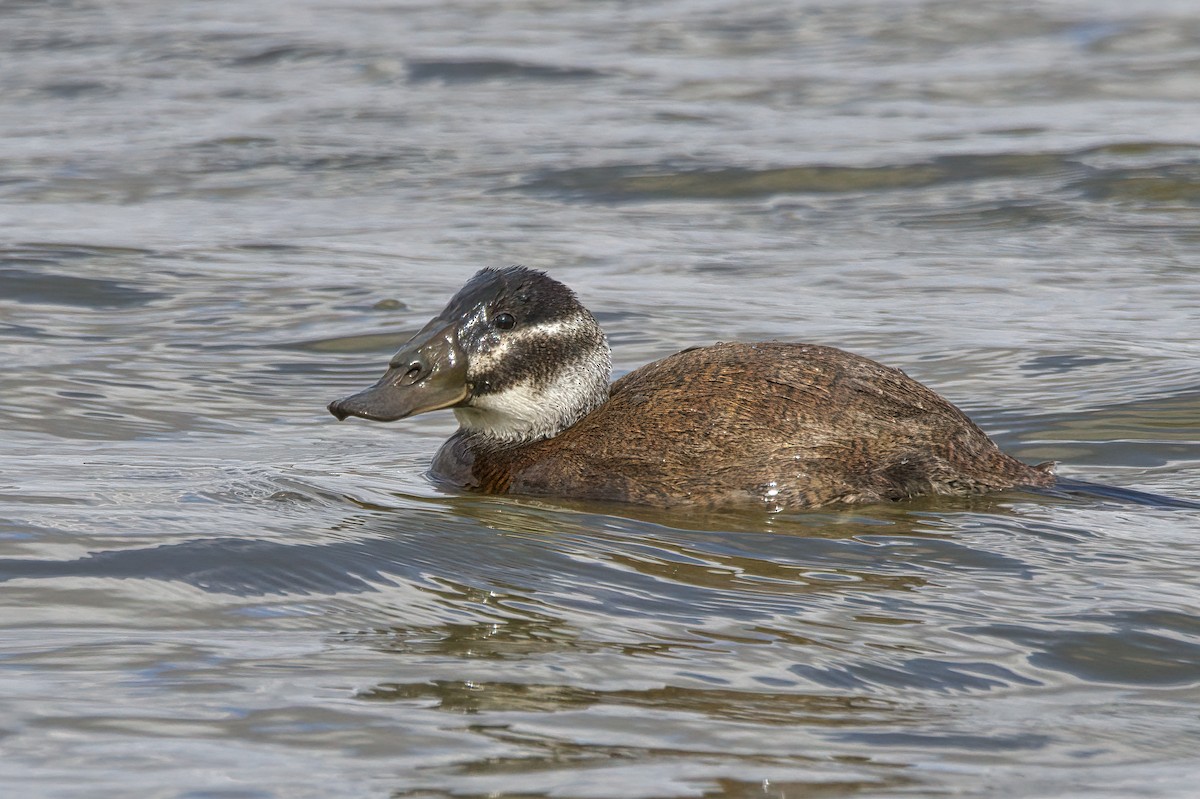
(216, 217)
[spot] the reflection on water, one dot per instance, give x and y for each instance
(214, 220)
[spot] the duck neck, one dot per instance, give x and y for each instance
(535, 410)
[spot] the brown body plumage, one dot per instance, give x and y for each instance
(772, 425)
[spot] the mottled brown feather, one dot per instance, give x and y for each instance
(774, 425)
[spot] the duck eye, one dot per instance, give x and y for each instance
(505, 321)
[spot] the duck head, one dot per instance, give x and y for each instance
(513, 353)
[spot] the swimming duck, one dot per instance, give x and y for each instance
(526, 368)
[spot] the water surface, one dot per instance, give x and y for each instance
(216, 218)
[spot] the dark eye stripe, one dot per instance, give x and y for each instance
(535, 359)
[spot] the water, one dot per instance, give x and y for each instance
(215, 218)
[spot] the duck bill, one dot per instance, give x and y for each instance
(429, 373)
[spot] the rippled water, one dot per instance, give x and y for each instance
(214, 218)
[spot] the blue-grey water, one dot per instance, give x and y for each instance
(216, 217)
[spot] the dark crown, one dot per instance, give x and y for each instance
(530, 295)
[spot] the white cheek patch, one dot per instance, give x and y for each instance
(494, 357)
(525, 412)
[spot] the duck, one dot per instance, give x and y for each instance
(526, 370)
